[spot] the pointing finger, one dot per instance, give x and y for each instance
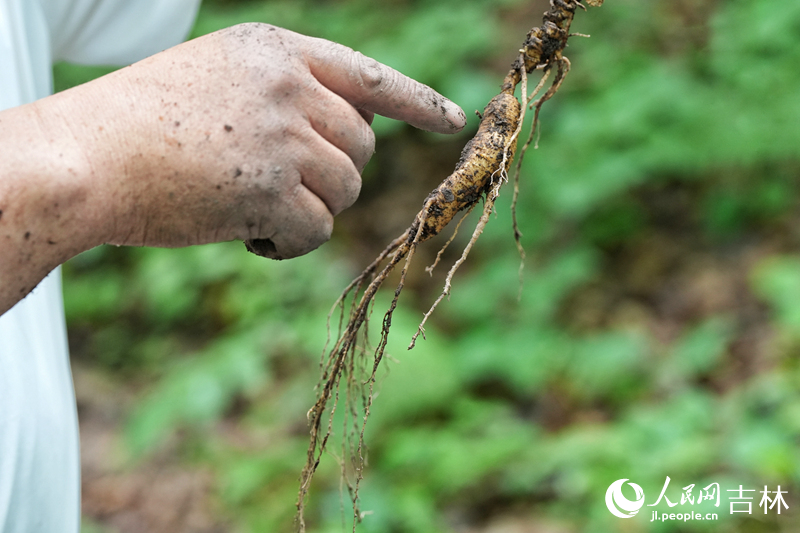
(373, 86)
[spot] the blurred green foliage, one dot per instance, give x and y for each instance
(658, 322)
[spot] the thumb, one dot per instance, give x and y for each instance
(373, 87)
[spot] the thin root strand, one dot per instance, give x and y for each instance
(480, 173)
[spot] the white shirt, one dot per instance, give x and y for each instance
(39, 461)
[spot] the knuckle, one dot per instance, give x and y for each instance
(370, 72)
(324, 232)
(351, 188)
(316, 235)
(285, 85)
(369, 135)
(367, 147)
(340, 187)
(304, 229)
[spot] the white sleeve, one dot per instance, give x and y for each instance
(116, 32)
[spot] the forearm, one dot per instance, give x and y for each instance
(49, 209)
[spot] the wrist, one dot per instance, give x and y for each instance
(64, 186)
(48, 205)
(92, 124)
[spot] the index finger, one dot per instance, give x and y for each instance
(372, 86)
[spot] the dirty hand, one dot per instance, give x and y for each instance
(253, 132)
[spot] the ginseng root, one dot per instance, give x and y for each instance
(481, 170)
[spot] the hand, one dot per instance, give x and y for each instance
(252, 132)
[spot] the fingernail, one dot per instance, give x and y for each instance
(454, 115)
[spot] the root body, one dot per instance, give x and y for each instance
(484, 157)
(480, 172)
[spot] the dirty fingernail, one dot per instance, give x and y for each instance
(455, 115)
